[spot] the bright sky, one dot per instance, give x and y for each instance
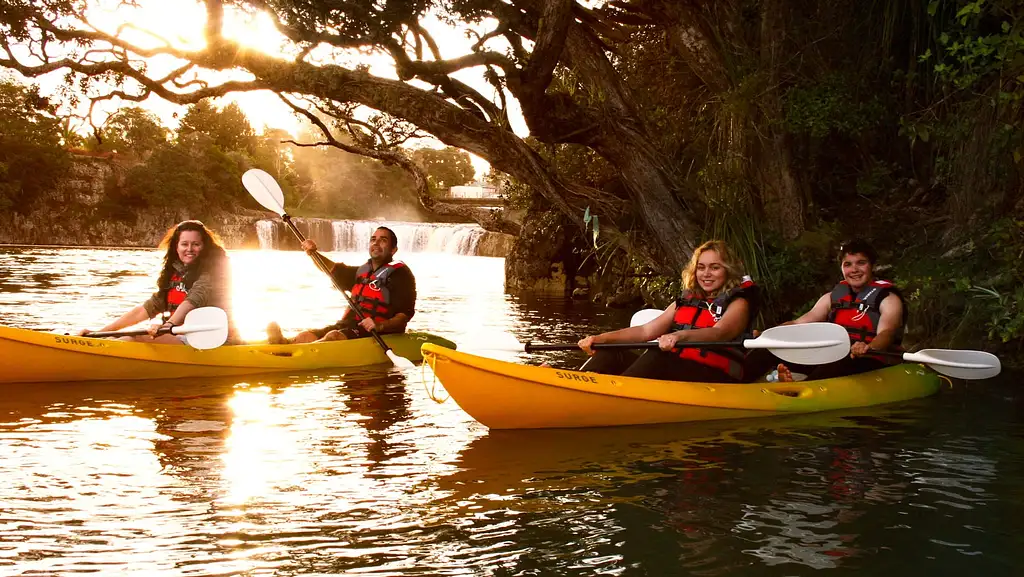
(181, 23)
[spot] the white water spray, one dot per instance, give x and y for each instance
(354, 235)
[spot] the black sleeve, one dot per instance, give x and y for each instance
(752, 295)
(344, 275)
(403, 291)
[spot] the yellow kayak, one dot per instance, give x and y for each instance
(31, 356)
(504, 395)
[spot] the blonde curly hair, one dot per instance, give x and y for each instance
(733, 268)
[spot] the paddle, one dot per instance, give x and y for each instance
(806, 344)
(960, 364)
(268, 193)
(203, 328)
(644, 316)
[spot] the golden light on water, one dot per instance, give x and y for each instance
(259, 452)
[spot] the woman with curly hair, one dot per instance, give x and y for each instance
(196, 273)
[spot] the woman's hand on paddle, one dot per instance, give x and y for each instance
(152, 330)
(668, 342)
(309, 246)
(586, 344)
(83, 332)
(859, 348)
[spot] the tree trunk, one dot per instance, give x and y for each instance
(664, 203)
(781, 194)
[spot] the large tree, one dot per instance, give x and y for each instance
(558, 58)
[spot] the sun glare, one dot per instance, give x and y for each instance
(256, 31)
(180, 23)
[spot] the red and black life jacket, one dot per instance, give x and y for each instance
(859, 313)
(371, 292)
(693, 312)
(176, 290)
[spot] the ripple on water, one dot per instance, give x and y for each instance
(364, 473)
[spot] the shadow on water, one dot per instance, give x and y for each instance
(895, 488)
(380, 403)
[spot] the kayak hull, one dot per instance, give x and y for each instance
(31, 356)
(504, 395)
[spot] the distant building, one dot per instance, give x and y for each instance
(473, 190)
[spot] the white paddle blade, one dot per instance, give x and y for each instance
(204, 328)
(958, 364)
(400, 362)
(806, 344)
(644, 316)
(264, 189)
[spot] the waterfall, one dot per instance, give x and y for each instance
(266, 230)
(354, 235)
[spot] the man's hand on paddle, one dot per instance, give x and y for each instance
(586, 343)
(859, 348)
(368, 324)
(309, 246)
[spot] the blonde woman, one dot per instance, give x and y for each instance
(717, 304)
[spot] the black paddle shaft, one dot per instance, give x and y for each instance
(531, 348)
(319, 259)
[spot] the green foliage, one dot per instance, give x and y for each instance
(795, 273)
(445, 168)
(877, 178)
(982, 41)
(514, 194)
(132, 131)
(1004, 312)
(200, 169)
(172, 177)
(228, 128)
(32, 161)
(831, 105)
(973, 293)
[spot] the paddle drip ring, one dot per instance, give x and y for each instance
(432, 387)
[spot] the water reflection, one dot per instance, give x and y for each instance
(364, 473)
(828, 492)
(379, 404)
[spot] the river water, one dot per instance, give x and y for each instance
(366, 473)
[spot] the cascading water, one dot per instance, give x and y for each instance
(265, 230)
(354, 235)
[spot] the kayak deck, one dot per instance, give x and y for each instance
(31, 356)
(503, 395)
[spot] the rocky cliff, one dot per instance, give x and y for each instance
(79, 213)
